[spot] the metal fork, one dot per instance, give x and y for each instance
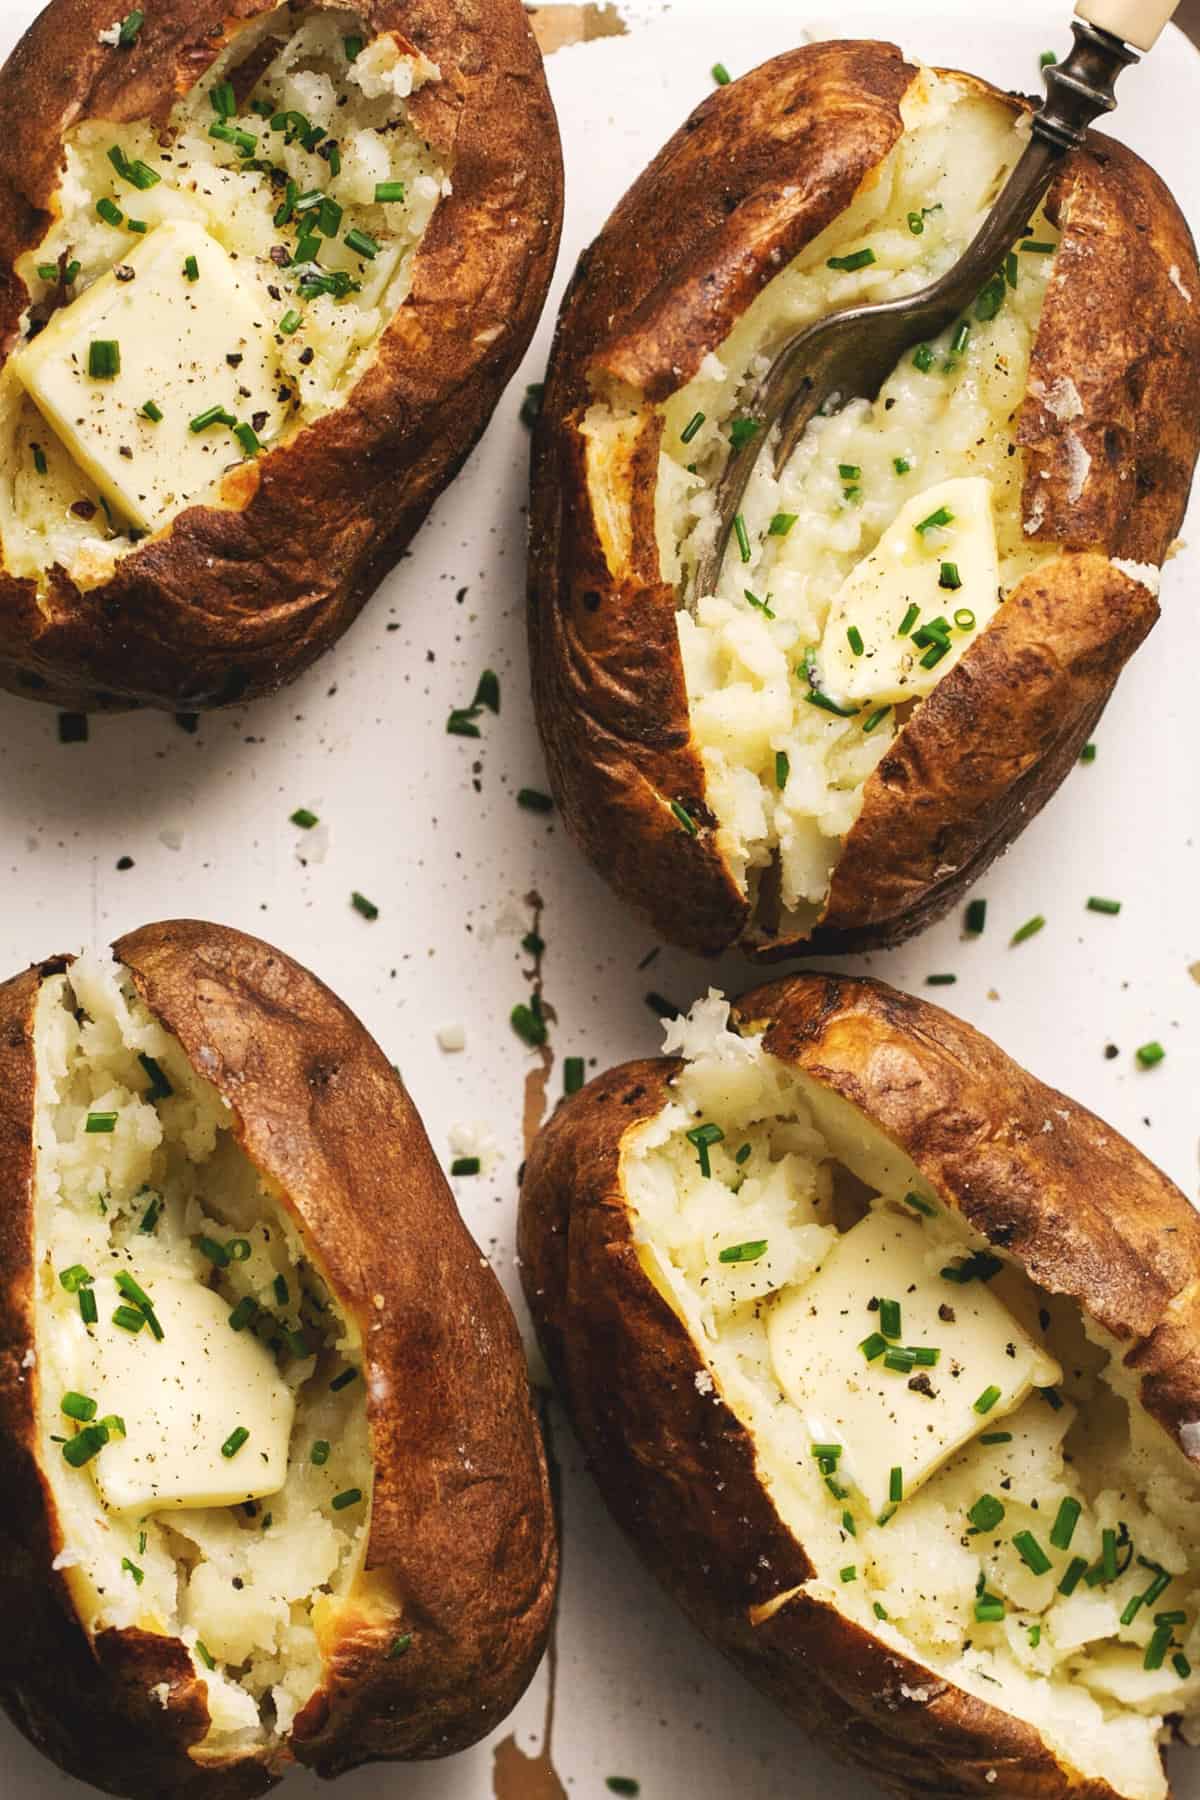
(851, 353)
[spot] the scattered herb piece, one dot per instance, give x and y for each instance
(744, 1253)
(1029, 929)
(367, 909)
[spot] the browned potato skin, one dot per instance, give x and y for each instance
(1084, 1212)
(462, 1552)
(760, 168)
(231, 602)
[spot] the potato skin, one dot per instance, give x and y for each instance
(229, 603)
(462, 1551)
(1078, 1206)
(754, 174)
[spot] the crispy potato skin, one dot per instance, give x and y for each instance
(230, 602)
(754, 175)
(462, 1551)
(1078, 1206)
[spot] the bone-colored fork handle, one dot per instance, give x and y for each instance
(1136, 22)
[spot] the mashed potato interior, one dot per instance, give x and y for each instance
(1050, 1564)
(139, 1176)
(297, 154)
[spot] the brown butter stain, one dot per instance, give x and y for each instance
(558, 27)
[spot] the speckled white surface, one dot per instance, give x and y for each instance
(427, 826)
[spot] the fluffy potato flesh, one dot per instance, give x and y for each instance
(303, 192)
(961, 1455)
(208, 1454)
(793, 622)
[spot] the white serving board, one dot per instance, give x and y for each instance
(426, 825)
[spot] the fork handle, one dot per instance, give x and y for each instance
(1137, 22)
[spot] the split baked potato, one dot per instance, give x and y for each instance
(919, 620)
(264, 275)
(272, 1489)
(887, 1358)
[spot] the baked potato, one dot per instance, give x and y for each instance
(887, 1358)
(272, 1489)
(264, 274)
(919, 620)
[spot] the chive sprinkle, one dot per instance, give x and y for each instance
(920, 1205)
(1070, 1580)
(129, 1318)
(909, 620)
(573, 1074)
(1150, 1054)
(1035, 248)
(109, 211)
(85, 1445)
(1029, 929)
(212, 415)
(858, 259)
(876, 718)
(367, 909)
(528, 1024)
(401, 1644)
(986, 1400)
(319, 1454)
(1031, 1552)
(854, 639)
(815, 697)
(781, 524)
(87, 1306)
(289, 323)
(849, 1573)
(976, 916)
(949, 576)
(131, 25)
(191, 268)
(388, 191)
(986, 1513)
(1063, 1529)
(964, 618)
(989, 1610)
(996, 1437)
(782, 769)
(937, 521)
(702, 1137)
(691, 428)
(743, 431)
(901, 465)
(104, 359)
(923, 358)
(102, 1123)
(348, 1497)
(1099, 905)
(465, 1165)
(889, 1318)
(721, 75)
(896, 1485)
(1157, 1648)
(744, 1253)
(684, 818)
(243, 1312)
(742, 536)
(361, 244)
(78, 1407)
(874, 1346)
(342, 1380)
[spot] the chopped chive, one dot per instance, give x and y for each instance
(896, 1485)
(303, 818)
(402, 1643)
(849, 1573)
(721, 75)
(996, 1437)
(685, 818)
(976, 916)
(212, 415)
(84, 1445)
(528, 1025)
(901, 465)
(224, 101)
(238, 1249)
(854, 639)
(1132, 1609)
(47, 271)
(1029, 929)
(1150, 1054)
(100, 1122)
(1046, 59)
(109, 211)
(949, 576)
(916, 224)
(1052, 1397)
(1070, 1580)
(744, 1253)
(743, 431)
(1063, 1529)
(878, 1610)
(1096, 904)
(940, 980)
(909, 620)
(289, 323)
(104, 359)
(923, 1355)
(920, 1205)
(986, 1513)
(39, 459)
(923, 358)
(1181, 1666)
(742, 1155)
(763, 606)
(234, 1441)
(826, 1452)
(937, 521)
(781, 524)
(873, 1346)
(461, 723)
(742, 536)
(1011, 267)
(876, 718)
(191, 268)
(78, 1407)
(150, 1217)
(782, 769)
(352, 45)
(131, 25)
(1156, 1649)
(964, 618)
(342, 1380)
(691, 428)
(858, 259)
(1031, 1552)
(242, 1313)
(129, 1318)
(465, 1165)
(87, 1306)
(990, 298)
(701, 1137)
(1034, 1635)
(959, 341)
(986, 1400)
(205, 1654)
(387, 191)
(348, 1497)
(989, 1610)
(367, 909)
(215, 1252)
(1159, 1585)
(848, 1525)
(815, 697)
(160, 1088)
(131, 1568)
(1035, 248)
(889, 1318)
(361, 244)
(280, 1288)
(150, 410)
(573, 1074)
(1108, 1554)
(247, 437)
(319, 1454)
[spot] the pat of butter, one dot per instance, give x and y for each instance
(814, 1334)
(182, 1397)
(184, 345)
(908, 568)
